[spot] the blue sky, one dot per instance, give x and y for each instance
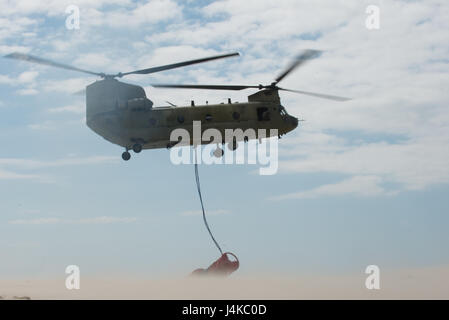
(361, 182)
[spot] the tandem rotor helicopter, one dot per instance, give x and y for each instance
(122, 114)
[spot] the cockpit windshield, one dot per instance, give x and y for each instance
(282, 111)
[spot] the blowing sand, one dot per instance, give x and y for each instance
(425, 283)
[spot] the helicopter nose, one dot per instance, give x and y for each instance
(294, 122)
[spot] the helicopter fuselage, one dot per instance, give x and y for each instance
(122, 114)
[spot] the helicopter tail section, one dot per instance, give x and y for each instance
(110, 94)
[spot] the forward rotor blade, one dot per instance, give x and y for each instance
(301, 59)
(199, 86)
(179, 64)
(30, 58)
(319, 95)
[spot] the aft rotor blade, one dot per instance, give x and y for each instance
(30, 58)
(301, 59)
(179, 64)
(199, 86)
(319, 95)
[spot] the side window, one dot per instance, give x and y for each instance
(263, 114)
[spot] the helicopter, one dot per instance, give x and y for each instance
(122, 114)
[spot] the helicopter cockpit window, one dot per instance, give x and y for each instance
(282, 112)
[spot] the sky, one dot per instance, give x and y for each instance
(360, 182)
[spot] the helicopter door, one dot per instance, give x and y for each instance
(263, 114)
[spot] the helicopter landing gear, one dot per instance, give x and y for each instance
(137, 147)
(126, 155)
(219, 152)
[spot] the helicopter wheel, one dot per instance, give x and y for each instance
(126, 156)
(137, 147)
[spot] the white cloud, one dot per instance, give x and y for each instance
(27, 76)
(98, 61)
(208, 212)
(79, 109)
(415, 164)
(51, 125)
(6, 49)
(70, 86)
(9, 166)
(27, 92)
(155, 11)
(4, 79)
(355, 186)
(13, 26)
(46, 125)
(51, 7)
(94, 220)
(30, 211)
(9, 175)
(69, 161)
(146, 14)
(106, 220)
(36, 221)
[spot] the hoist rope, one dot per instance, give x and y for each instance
(197, 177)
